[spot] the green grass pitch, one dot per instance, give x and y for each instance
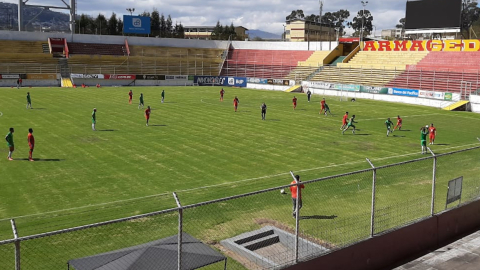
(202, 149)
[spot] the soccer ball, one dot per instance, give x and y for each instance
(426, 126)
(282, 191)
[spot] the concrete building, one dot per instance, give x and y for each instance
(205, 32)
(301, 30)
(391, 33)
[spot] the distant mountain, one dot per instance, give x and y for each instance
(46, 19)
(252, 34)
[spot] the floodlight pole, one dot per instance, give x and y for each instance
(363, 18)
(434, 179)
(372, 216)
(297, 216)
(180, 231)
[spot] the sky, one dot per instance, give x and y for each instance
(266, 15)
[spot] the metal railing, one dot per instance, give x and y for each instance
(256, 230)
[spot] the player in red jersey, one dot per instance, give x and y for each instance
(130, 96)
(235, 103)
(147, 114)
(399, 123)
(322, 103)
(221, 94)
(31, 143)
(433, 132)
(294, 100)
(344, 121)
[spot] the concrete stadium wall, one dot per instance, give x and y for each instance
(475, 103)
(93, 82)
(288, 46)
(267, 87)
(386, 250)
(391, 98)
(168, 42)
(28, 83)
(106, 39)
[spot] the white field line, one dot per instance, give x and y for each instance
(224, 184)
(1, 114)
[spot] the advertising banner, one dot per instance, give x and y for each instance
(87, 76)
(348, 87)
(136, 24)
(431, 94)
(45, 76)
(150, 77)
(13, 76)
(374, 89)
(323, 85)
(448, 96)
(403, 92)
(119, 77)
(257, 80)
(278, 82)
(221, 81)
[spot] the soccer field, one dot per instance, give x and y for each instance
(195, 145)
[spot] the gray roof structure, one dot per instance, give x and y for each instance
(156, 255)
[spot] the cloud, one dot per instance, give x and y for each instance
(253, 14)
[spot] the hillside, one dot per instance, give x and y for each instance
(46, 19)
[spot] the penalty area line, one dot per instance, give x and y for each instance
(224, 184)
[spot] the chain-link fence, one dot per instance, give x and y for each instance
(256, 230)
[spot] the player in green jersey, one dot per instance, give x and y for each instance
(141, 101)
(327, 110)
(389, 125)
(423, 139)
(29, 100)
(350, 124)
(94, 118)
(10, 145)
(163, 96)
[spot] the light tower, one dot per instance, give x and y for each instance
(320, 21)
(72, 8)
(363, 19)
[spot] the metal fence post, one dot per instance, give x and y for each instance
(180, 231)
(17, 245)
(372, 216)
(297, 217)
(434, 178)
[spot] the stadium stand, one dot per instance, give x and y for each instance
(97, 64)
(358, 76)
(442, 71)
(384, 60)
(308, 67)
(174, 61)
(263, 63)
(25, 57)
(96, 49)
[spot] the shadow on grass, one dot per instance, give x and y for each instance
(403, 130)
(157, 125)
(38, 108)
(399, 136)
(318, 217)
(42, 159)
(110, 130)
(274, 120)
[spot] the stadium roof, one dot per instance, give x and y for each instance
(157, 255)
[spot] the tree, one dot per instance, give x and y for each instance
(470, 14)
(119, 26)
(101, 25)
(163, 26)
(340, 20)
(217, 31)
(296, 14)
(356, 24)
(155, 22)
(232, 32)
(401, 24)
(112, 24)
(86, 24)
(169, 27)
